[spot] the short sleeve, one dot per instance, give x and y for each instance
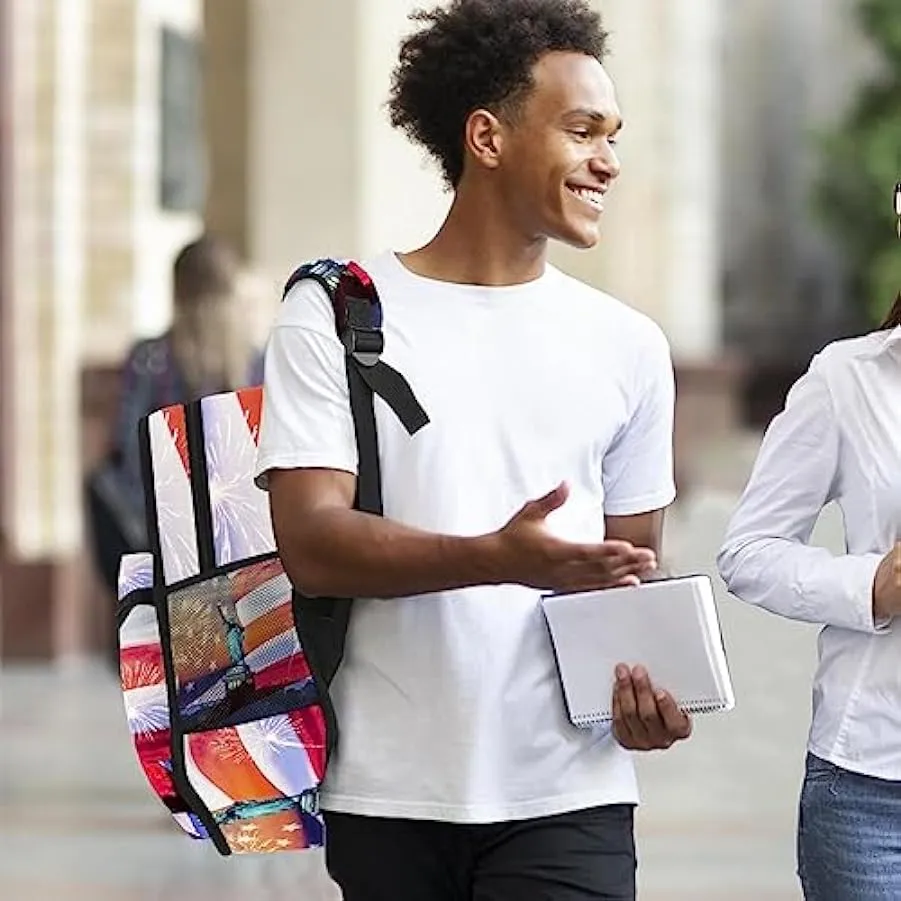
(638, 467)
(306, 420)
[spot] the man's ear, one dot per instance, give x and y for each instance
(483, 138)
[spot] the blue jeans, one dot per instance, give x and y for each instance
(849, 835)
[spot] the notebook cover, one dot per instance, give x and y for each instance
(680, 653)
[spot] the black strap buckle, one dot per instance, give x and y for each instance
(361, 341)
(365, 345)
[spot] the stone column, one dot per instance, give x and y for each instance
(662, 247)
(327, 175)
(109, 230)
(226, 83)
(44, 250)
(403, 199)
(692, 178)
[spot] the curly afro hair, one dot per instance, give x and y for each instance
(479, 54)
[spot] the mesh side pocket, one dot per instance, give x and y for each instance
(235, 650)
(143, 681)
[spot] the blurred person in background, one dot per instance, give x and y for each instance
(208, 348)
(838, 439)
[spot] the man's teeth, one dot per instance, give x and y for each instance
(595, 198)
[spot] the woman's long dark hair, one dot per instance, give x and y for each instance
(893, 317)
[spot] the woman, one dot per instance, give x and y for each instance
(208, 349)
(838, 439)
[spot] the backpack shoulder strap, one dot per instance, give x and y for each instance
(355, 303)
(358, 323)
(326, 272)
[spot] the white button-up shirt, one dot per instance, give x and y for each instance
(838, 439)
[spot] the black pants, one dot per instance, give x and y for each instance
(588, 855)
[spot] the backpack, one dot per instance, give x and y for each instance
(225, 668)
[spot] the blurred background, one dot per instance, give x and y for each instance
(753, 220)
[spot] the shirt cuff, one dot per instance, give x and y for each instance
(865, 572)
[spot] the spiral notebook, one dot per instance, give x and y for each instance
(669, 626)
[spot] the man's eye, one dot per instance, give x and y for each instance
(582, 133)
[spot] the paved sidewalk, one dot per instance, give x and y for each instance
(78, 824)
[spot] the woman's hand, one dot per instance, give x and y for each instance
(887, 586)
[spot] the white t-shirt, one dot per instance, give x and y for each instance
(449, 704)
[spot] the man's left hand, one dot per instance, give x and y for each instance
(645, 718)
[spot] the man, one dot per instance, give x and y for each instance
(546, 465)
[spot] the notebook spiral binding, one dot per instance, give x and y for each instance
(701, 705)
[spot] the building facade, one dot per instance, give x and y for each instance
(87, 241)
(128, 125)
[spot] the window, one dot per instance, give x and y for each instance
(182, 169)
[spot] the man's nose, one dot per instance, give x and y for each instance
(606, 164)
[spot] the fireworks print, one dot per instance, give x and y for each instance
(219, 698)
(254, 743)
(242, 527)
(174, 500)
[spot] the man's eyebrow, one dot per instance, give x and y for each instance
(597, 116)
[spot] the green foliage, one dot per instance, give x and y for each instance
(862, 163)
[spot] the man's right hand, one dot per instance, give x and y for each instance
(887, 586)
(529, 554)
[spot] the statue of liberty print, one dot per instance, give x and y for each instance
(306, 803)
(238, 674)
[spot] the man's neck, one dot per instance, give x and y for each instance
(477, 246)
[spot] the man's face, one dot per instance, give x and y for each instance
(558, 159)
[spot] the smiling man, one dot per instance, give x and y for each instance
(547, 464)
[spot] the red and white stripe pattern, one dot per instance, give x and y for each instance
(242, 526)
(172, 489)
